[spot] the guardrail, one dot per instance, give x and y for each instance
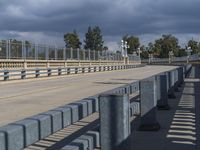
(115, 110)
(37, 72)
(184, 59)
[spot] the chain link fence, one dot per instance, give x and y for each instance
(30, 51)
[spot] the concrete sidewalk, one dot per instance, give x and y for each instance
(180, 126)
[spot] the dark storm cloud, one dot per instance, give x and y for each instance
(116, 18)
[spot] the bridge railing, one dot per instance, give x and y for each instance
(31, 51)
(47, 72)
(115, 108)
(184, 59)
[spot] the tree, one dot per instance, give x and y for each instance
(72, 40)
(165, 44)
(194, 46)
(133, 42)
(94, 39)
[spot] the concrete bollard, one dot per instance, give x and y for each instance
(76, 70)
(148, 98)
(44, 122)
(96, 138)
(14, 137)
(114, 122)
(104, 68)
(66, 116)
(56, 120)
(23, 74)
(74, 112)
(83, 69)
(37, 73)
(2, 141)
(68, 70)
(176, 81)
(6, 75)
(49, 72)
(82, 108)
(171, 93)
(59, 71)
(30, 129)
(180, 76)
(162, 103)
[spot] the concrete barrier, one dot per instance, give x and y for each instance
(66, 116)
(148, 99)
(88, 141)
(14, 137)
(114, 121)
(56, 120)
(30, 130)
(44, 122)
(2, 141)
(162, 103)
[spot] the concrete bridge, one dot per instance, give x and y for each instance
(73, 103)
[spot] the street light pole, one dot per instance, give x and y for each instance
(188, 53)
(171, 54)
(139, 52)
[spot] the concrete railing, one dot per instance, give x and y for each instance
(174, 60)
(24, 64)
(115, 111)
(38, 72)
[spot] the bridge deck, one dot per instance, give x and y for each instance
(20, 99)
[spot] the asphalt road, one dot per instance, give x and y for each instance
(20, 99)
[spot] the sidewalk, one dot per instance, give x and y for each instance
(180, 126)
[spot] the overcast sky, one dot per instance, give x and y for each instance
(45, 21)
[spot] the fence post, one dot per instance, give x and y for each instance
(6, 75)
(37, 73)
(64, 53)
(47, 53)
(148, 98)
(71, 53)
(114, 122)
(162, 103)
(23, 74)
(49, 72)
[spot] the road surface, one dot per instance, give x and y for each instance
(21, 99)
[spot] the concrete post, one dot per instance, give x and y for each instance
(7, 56)
(163, 100)
(56, 53)
(9, 49)
(71, 53)
(47, 53)
(176, 80)
(64, 53)
(114, 122)
(171, 93)
(78, 54)
(25, 64)
(148, 98)
(180, 76)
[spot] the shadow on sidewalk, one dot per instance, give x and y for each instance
(179, 126)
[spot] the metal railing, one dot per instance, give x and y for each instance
(38, 72)
(184, 59)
